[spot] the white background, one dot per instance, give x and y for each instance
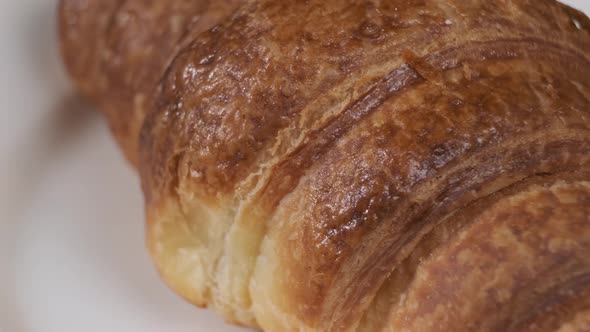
(71, 233)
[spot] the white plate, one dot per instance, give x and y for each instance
(72, 256)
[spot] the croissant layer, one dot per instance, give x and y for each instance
(358, 165)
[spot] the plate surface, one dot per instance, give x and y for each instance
(72, 256)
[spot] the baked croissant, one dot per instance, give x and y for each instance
(354, 165)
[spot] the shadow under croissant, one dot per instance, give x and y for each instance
(61, 126)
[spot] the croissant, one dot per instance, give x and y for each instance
(354, 165)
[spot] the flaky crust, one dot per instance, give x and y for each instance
(330, 165)
(117, 51)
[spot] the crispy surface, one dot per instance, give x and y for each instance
(118, 50)
(523, 265)
(301, 159)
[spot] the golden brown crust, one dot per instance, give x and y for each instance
(82, 26)
(118, 50)
(523, 266)
(294, 156)
(393, 289)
